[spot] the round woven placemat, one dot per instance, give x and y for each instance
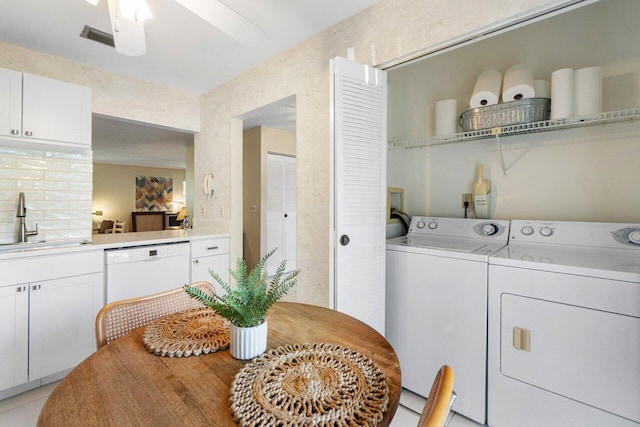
(190, 332)
(309, 384)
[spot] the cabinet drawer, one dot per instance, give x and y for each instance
(46, 267)
(208, 247)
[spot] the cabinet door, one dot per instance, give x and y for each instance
(14, 333)
(56, 111)
(218, 263)
(10, 102)
(62, 316)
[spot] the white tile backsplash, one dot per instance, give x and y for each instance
(58, 191)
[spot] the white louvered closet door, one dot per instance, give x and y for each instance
(359, 113)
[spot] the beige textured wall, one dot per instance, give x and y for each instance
(114, 188)
(388, 30)
(113, 95)
(251, 189)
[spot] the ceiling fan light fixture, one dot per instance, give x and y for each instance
(134, 10)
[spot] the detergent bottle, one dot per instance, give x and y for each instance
(482, 195)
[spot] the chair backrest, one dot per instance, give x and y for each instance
(105, 226)
(440, 399)
(118, 318)
(119, 226)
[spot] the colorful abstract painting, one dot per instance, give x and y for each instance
(154, 193)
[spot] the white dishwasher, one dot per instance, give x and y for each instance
(144, 270)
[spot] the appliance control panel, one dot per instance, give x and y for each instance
(592, 234)
(459, 227)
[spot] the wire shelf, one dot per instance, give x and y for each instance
(519, 129)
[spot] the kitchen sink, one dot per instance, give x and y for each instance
(43, 244)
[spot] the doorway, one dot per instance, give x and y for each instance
(269, 187)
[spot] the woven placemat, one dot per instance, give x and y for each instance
(186, 333)
(309, 384)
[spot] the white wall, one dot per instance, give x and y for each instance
(113, 95)
(587, 174)
(388, 30)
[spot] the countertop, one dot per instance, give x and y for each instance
(100, 242)
(118, 240)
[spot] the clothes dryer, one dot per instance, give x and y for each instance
(436, 304)
(564, 326)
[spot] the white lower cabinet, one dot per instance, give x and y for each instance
(47, 321)
(14, 335)
(62, 316)
(210, 254)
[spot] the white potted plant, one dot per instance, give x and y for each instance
(246, 305)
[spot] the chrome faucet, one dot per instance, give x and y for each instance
(23, 233)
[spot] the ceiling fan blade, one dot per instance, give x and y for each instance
(128, 36)
(226, 19)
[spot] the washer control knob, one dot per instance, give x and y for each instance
(546, 231)
(527, 230)
(489, 229)
(420, 224)
(634, 237)
(433, 225)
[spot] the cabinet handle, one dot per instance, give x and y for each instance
(21, 288)
(35, 287)
(212, 248)
(195, 261)
(15, 132)
(28, 133)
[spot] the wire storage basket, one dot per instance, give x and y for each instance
(508, 113)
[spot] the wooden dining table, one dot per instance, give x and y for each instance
(122, 384)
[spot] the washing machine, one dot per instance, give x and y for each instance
(436, 304)
(564, 326)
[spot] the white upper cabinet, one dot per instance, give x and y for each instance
(37, 111)
(10, 103)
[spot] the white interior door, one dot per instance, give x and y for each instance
(358, 178)
(281, 211)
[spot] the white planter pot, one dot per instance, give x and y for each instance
(247, 343)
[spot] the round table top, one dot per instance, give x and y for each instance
(123, 384)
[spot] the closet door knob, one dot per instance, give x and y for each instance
(344, 240)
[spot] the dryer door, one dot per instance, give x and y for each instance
(581, 353)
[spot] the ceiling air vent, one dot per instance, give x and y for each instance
(97, 35)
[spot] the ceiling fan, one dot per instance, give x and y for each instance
(127, 21)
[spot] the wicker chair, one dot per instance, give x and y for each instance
(118, 318)
(440, 399)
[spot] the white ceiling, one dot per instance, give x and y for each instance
(183, 51)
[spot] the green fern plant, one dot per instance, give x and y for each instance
(247, 304)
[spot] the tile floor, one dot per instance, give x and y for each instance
(23, 410)
(411, 406)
